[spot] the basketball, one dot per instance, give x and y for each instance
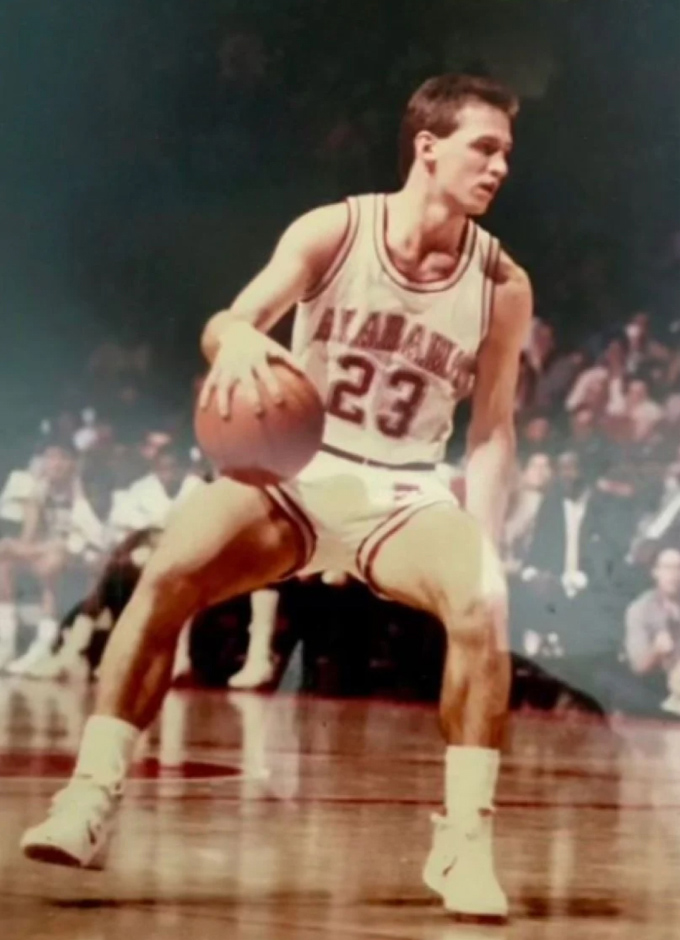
(267, 448)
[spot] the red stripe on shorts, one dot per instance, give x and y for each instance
(301, 525)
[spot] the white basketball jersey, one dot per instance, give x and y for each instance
(391, 358)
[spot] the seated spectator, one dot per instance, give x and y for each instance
(659, 528)
(553, 384)
(115, 530)
(640, 413)
(20, 488)
(569, 589)
(519, 525)
(171, 479)
(534, 434)
(40, 550)
(601, 385)
(642, 350)
(653, 633)
(587, 440)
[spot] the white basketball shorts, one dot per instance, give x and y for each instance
(346, 508)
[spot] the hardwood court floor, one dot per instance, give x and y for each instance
(280, 817)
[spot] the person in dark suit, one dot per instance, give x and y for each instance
(569, 599)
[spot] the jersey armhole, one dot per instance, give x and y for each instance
(341, 255)
(490, 271)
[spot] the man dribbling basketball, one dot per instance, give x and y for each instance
(402, 301)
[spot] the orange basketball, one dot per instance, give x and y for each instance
(263, 449)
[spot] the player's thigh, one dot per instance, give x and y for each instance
(441, 562)
(225, 539)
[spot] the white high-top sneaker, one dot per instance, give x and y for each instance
(460, 868)
(78, 829)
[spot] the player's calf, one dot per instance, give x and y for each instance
(475, 693)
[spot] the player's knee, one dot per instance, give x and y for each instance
(167, 587)
(475, 609)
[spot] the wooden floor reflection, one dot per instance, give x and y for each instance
(272, 818)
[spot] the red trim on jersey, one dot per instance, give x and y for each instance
(468, 243)
(301, 525)
(394, 523)
(490, 271)
(342, 254)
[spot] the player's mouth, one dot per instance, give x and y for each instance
(490, 189)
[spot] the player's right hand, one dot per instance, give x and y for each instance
(244, 357)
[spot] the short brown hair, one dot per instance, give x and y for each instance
(436, 104)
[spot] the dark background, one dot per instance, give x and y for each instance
(150, 154)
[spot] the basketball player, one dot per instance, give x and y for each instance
(402, 299)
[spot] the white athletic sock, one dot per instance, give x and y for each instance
(470, 782)
(107, 750)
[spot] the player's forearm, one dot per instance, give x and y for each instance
(488, 476)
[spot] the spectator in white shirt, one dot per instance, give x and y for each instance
(42, 550)
(653, 631)
(641, 412)
(151, 499)
(600, 386)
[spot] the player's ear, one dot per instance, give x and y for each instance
(424, 147)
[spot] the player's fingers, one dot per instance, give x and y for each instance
(223, 387)
(267, 376)
(251, 391)
(206, 391)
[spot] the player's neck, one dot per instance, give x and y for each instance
(422, 221)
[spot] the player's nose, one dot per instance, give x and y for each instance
(499, 166)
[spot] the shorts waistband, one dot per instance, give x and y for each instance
(369, 462)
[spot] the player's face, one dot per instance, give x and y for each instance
(472, 162)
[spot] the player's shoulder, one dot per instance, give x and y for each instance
(510, 277)
(324, 225)
(513, 294)
(321, 236)
(512, 304)
(506, 274)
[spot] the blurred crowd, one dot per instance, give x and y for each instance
(226, 140)
(591, 542)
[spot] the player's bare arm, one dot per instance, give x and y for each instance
(491, 439)
(233, 340)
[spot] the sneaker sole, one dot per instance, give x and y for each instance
(488, 920)
(437, 886)
(53, 855)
